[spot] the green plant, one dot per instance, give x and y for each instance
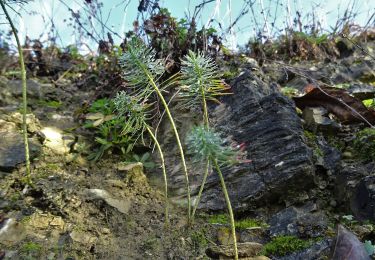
(3, 4)
(200, 81)
(142, 71)
(204, 145)
(135, 116)
(144, 159)
(283, 245)
(108, 129)
(369, 103)
(31, 249)
(369, 247)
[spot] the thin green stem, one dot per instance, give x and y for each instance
(205, 111)
(164, 173)
(24, 92)
(207, 167)
(230, 211)
(177, 138)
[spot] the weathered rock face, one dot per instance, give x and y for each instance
(12, 151)
(266, 122)
(362, 201)
(305, 222)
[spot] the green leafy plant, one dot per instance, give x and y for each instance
(200, 82)
(205, 145)
(144, 159)
(142, 72)
(3, 4)
(369, 247)
(108, 129)
(135, 117)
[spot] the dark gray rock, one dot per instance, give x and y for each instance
(303, 222)
(267, 123)
(363, 199)
(34, 89)
(12, 151)
(331, 156)
(346, 184)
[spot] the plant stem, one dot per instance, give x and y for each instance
(164, 173)
(200, 190)
(230, 211)
(207, 168)
(24, 92)
(177, 139)
(204, 103)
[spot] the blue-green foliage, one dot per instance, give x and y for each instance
(205, 144)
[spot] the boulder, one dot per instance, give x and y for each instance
(12, 149)
(304, 222)
(266, 122)
(363, 199)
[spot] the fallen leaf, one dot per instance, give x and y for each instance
(334, 100)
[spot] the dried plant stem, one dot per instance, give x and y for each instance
(164, 173)
(24, 92)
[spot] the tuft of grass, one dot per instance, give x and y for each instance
(284, 245)
(239, 224)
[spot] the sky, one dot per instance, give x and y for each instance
(36, 18)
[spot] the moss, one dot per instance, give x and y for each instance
(312, 142)
(230, 74)
(364, 144)
(52, 103)
(199, 238)
(289, 91)
(283, 245)
(311, 137)
(336, 142)
(31, 249)
(239, 224)
(369, 103)
(342, 86)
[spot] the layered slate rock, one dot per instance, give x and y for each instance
(12, 149)
(267, 123)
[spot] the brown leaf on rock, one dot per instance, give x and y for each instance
(346, 108)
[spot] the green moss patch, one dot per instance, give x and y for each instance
(240, 224)
(284, 245)
(364, 144)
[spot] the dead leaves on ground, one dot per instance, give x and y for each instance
(345, 107)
